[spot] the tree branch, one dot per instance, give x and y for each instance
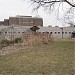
(54, 1)
(73, 5)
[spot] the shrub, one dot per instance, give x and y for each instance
(4, 42)
(17, 40)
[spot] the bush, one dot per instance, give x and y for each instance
(17, 40)
(4, 42)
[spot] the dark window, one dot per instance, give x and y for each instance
(5, 32)
(69, 32)
(58, 32)
(18, 32)
(43, 32)
(50, 32)
(62, 32)
(55, 32)
(65, 32)
(22, 32)
(47, 32)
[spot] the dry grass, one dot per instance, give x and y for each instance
(47, 59)
(31, 39)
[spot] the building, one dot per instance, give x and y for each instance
(23, 21)
(56, 32)
(15, 31)
(6, 22)
(1, 22)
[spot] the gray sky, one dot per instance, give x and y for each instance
(20, 7)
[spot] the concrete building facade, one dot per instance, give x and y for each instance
(56, 32)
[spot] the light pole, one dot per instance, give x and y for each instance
(62, 32)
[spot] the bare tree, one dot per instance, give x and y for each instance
(69, 17)
(52, 4)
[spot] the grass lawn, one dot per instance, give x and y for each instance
(49, 59)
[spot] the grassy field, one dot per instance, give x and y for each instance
(56, 58)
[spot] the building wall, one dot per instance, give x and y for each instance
(17, 31)
(38, 22)
(13, 20)
(25, 21)
(6, 21)
(1, 22)
(31, 22)
(56, 31)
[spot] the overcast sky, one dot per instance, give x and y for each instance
(20, 7)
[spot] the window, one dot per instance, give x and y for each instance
(43, 32)
(62, 32)
(22, 32)
(65, 32)
(5, 32)
(50, 32)
(47, 32)
(55, 32)
(58, 32)
(69, 32)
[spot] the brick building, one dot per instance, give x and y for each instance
(1, 22)
(6, 21)
(24, 21)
